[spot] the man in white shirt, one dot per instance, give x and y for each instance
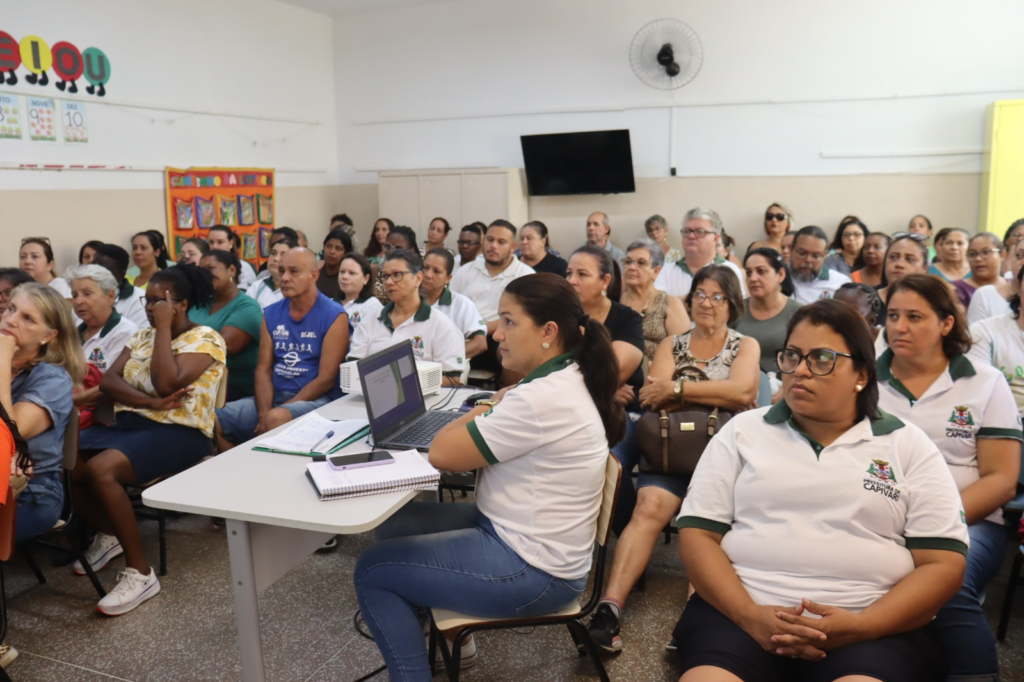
(812, 279)
(129, 297)
(223, 238)
(483, 282)
(599, 233)
(702, 230)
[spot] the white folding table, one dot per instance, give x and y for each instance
(274, 518)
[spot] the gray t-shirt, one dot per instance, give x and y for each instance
(770, 333)
(49, 387)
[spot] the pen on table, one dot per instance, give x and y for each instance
(330, 434)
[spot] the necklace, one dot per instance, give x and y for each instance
(650, 302)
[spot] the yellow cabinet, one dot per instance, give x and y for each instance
(1002, 179)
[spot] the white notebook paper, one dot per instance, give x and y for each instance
(409, 471)
(309, 435)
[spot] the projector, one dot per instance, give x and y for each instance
(429, 372)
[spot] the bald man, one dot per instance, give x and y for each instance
(302, 342)
(599, 233)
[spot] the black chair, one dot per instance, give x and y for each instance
(65, 524)
(1014, 506)
(442, 621)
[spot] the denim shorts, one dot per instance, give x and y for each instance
(239, 419)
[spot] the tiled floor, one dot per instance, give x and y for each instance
(188, 631)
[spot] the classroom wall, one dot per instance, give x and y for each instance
(227, 83)
(829, 107)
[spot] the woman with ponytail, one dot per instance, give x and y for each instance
(164, 386)
(524, 547)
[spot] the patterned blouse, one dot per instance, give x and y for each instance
(716, 369)
(654, 324)
(197, 412)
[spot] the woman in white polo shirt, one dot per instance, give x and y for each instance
(438, 266)
(524, 547)
(355, 279)
(408, 317)
(967, 410)
(824, 505)
(999, 341)
(104, 333)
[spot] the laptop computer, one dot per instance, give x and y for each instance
(395, 408)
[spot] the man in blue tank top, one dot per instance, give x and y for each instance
(302, 342)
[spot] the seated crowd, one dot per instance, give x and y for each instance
(842, 523)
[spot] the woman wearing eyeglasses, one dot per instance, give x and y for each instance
(822, 534)
(778, 221)
(968, 411)
(985, 254)
(164, 385)
(709, 365)
(951, 245)
(408, 317)
(35, 258)
(662, 315)
(847, 246)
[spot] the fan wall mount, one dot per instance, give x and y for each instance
(666, 54)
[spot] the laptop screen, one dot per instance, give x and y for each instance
(391, 388)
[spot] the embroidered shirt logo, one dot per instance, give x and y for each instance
(417, 345)
(961, 423)
(881, 470)
(882, 479)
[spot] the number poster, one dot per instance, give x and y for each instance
(42, 124)
(10, 117)
(76, 129)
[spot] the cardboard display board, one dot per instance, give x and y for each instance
(240, 198)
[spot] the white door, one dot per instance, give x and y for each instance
(399, 200)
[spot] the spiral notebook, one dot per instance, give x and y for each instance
(410, 471)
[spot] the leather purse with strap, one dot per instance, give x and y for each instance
(673, 442)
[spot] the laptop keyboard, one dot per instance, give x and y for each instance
(421, 432)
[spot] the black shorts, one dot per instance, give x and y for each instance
(706, 637)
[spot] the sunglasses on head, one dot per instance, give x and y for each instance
(775, 216)
(35, 239)
(916, 236)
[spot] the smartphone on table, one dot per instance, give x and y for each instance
(356, 460)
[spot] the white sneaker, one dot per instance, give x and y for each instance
(7, 655)
(102, 549)
(132, 589)
(466, 660)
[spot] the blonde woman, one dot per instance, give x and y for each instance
(41, 362)
(778, 221)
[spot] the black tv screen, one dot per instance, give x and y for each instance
(599, 162)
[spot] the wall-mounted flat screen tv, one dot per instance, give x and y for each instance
(599, 162)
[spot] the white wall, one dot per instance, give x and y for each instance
(246, 57)
(788, 87)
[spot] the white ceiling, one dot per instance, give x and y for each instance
(333, 8)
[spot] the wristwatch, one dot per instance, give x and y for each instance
(487, 403)
(678, 389)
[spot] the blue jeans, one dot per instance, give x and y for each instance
(39, 506)
(629, 454)
(966, 637)
(239, 419)
(445, 556)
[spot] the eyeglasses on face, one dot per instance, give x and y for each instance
(698, 233)
(973, 255)
(807, 255)
(821, 361)
(640, 262)
(853, 234)
(717, 300)
(146, 301)
(396, 276)
(775, 216)
(916, 236)
(467, 242)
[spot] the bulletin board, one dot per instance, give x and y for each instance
(240, 198)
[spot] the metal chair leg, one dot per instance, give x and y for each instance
(34, 566)
(80, 555)
(595, 658)
(161, 521)
(576, 640)
(1011, 589)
